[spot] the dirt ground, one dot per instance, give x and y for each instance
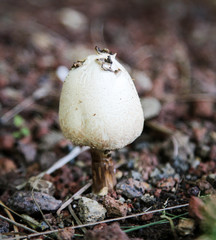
(169, 48)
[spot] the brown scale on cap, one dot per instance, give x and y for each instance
(77, 64)
(104, 50)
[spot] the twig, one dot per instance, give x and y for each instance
(105, 221)
(11, 217)
(185, 68)
(60, 163)
(42, 212)
(175, 145)
(17, 214)
(38, 206)
(189, 97)
(196, 96)
(76, 218)
(160, 128)
(38, 94)
(17, 224)
(69, 201)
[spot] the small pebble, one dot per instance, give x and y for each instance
(135, 175)
(6, 165)
(205, 187)
(42, 40)
(212, 154)
(4, 226)
(132, 188)
(199, 134)
(122, 200)
(142, 82)
(50, 140)
(66, 234)
(90, 210)
(62, 72)
(186, 226)
(204, 108)
(28, 151)
(112, 231)
(213, 136)
(166, 184)
(6, 142)
(151, 107)
(40, 185)
(147, 198)
(47, 159)
(147, 217)
(194, 191)
(23, 201)
(115, 208)
(73, 19)
(211, 178)
(203, 151)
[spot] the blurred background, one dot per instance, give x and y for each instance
(168, 47)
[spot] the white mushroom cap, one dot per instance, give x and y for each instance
(99, 105)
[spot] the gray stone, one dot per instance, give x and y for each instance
(147, 198)
(203, 151)
(142, 81)
(135, 175)
(155, 173)
(50, 140)
(90, 210)
(122, 200)
(151, 107)
(47, 159)
(28, 151)
(25, 201)
(73, 19)
(163, 172)
(132, 188)
(40, 185)
(168, 170)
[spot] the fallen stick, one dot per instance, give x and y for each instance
(105, 221)
(60, 163)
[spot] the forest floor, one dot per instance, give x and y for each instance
(170, 170)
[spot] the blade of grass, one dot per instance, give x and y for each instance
(153, 223)
(145, 226)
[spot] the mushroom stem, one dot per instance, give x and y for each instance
(103, 173)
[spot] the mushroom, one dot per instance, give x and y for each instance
(100, 108)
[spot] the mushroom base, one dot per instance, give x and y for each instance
(103, 173)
